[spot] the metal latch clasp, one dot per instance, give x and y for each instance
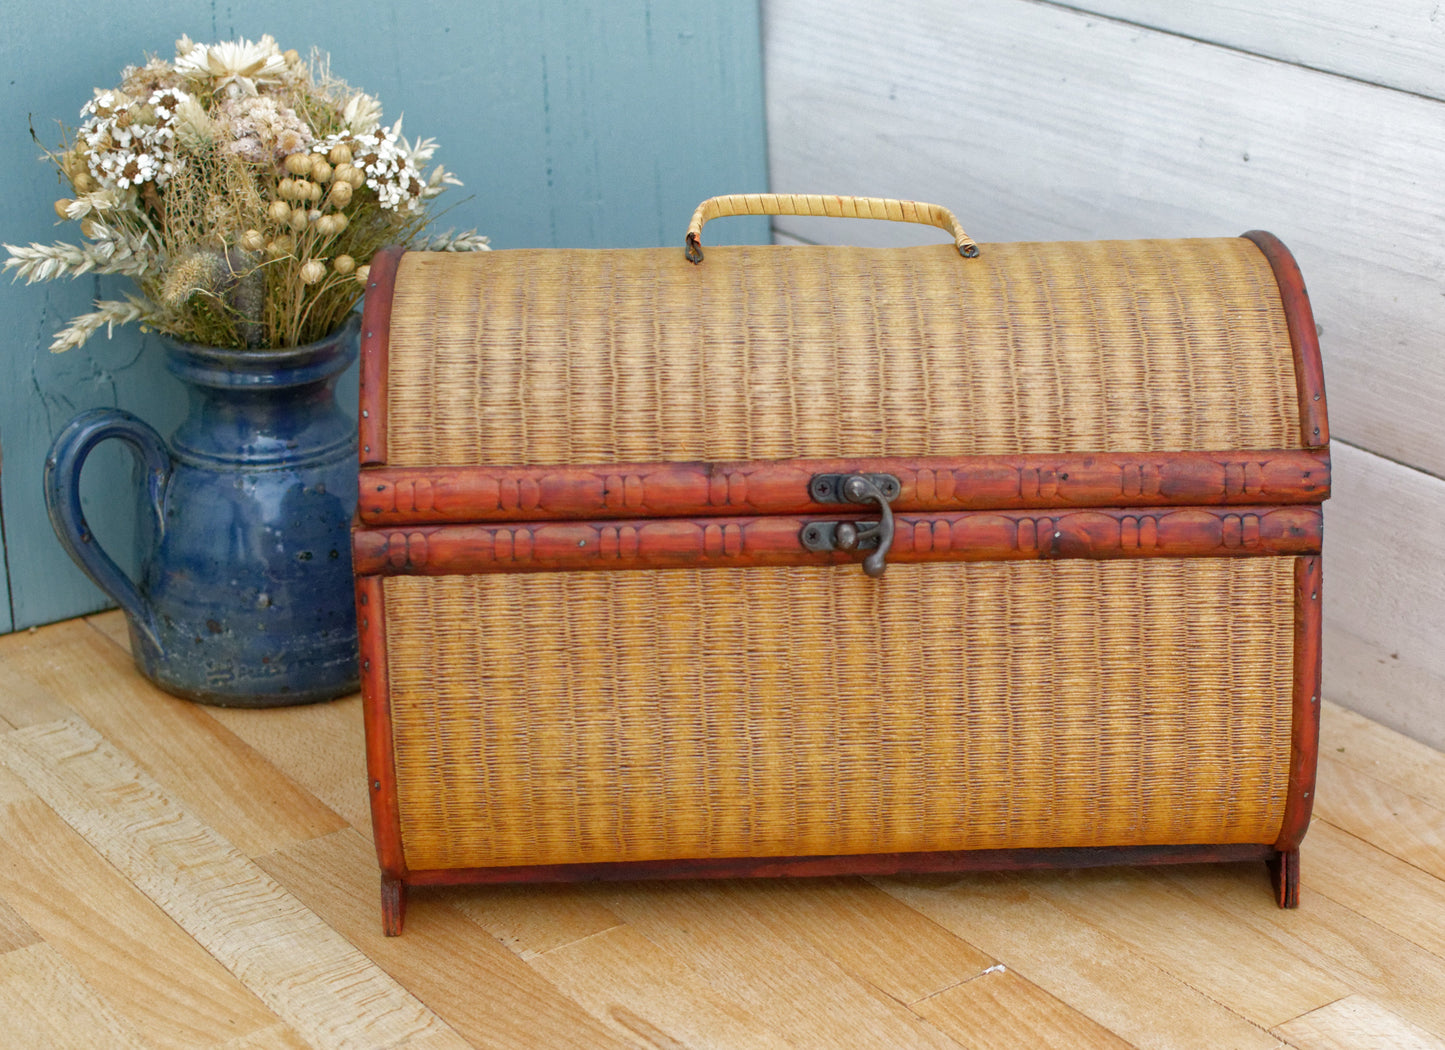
(873, 536)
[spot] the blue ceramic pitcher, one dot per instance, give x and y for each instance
(244, 596)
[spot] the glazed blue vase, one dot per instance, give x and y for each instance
(244, 596)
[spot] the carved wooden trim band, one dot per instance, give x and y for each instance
(444, 550)
(1303, 338)
(376, 709)
(855, 864)
(375, 344)
(657, 490)
(1305, 734)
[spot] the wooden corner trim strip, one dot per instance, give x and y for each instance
(375, 345)
(397, 495)
(1305, 730)
(1303, 338)
(1179, 532)
(376, 708)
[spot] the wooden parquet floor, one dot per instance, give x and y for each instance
(179, 876)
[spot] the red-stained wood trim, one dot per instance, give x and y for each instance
(859, 864)
(1284, 874)
(1303, 338)
(438, 495)
(1305, 732)
(376, 712)
(393, 906)
(443, 550)
(375, 344)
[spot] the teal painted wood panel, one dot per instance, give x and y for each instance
(573, 124)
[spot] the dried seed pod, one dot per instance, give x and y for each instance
(326, 226)
(314, 191)
(300, 164)
(298, 219)
(312, 271)
(320, 170)
(61, 205)
(279, 211)
(340, 154)
(340, 195)
(343, 264)
(339, 221)
(362, 273)
(286, 189)
(252, 241)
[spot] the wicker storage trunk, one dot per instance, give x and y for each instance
(625, 520)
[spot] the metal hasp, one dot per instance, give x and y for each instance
(873, 536)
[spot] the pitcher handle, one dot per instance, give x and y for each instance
(62, 500)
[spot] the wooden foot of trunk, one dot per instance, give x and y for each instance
(1284, 873)
(393, 905)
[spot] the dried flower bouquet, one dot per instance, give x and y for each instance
(243, 189)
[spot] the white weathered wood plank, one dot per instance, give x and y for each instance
(302, 969)
(1356, 1023)
(1395, 43)
(1038, 122)
(1384, 587)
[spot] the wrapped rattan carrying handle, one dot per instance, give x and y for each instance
(837, 207)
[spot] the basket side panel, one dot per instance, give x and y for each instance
(628, 716)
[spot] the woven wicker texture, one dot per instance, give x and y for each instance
(576, 717)
(548, 357)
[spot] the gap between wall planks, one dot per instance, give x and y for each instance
(1390, 43)
(1036, 122)
(1178, 957)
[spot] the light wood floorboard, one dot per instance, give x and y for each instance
(181, 876)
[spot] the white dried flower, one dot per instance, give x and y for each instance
(95, 202)
(236, 67)
(362, 114)
(128, 142)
